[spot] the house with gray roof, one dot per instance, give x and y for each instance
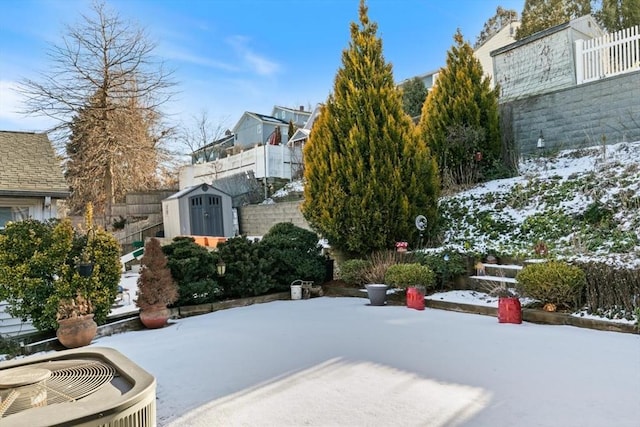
(31, 177)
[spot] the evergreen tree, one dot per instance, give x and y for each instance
(539, 15)
(367, 176)
(497, 22)
(460, 118)
(616, 15)
(291, 130)
(414, 92)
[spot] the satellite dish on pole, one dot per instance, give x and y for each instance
(421, 222)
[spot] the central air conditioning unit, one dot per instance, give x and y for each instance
(92, 386)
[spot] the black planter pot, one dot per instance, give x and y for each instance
(85, 269)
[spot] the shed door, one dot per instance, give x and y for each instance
(206, 215)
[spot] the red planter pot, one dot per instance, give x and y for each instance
(155, 317)
(509, 310)
(415, 298)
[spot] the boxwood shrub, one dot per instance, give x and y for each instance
(553, 282)
(407, 275)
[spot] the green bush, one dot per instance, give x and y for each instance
(553, 282)
(248, 271)
(38, 269)
(352, 272)
(294, 253)
(456, 265)
(407, 275)
(193, 268)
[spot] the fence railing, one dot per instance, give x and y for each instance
(609, 55)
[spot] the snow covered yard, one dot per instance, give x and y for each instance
(337, 361)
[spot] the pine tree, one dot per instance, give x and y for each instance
(367, 176)
(616, 15)
(460, 118)
(291, 130)
(538, 15)
(414, 93)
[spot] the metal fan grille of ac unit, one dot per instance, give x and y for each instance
(53, 382)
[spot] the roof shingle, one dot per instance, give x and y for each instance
(29, 166)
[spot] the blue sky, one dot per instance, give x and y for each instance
(232, 56)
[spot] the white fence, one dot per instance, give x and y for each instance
(270, 161)
(609, 55)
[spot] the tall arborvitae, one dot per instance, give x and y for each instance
(538, 15)
(460, 117)
(367, 176)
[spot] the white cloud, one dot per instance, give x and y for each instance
(178, 55)
(260, 64)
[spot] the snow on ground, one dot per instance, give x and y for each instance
(128, 281)
(337, 361)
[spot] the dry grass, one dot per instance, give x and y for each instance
(380, 261)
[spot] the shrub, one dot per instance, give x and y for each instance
(248, 268)
(380, 261)
(353, 271)
(407, 275)
(611, 290)
(38, 269)
(455, 267)
(156, 287)
(553, 282)
(193, 268)
(294, 253)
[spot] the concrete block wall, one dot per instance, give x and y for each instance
(579, 116)
(256, 220)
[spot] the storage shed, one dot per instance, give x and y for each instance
(200, 210)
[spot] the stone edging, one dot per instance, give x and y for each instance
(528, 314)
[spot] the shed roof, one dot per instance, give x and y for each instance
(29, 166)
(188, 190)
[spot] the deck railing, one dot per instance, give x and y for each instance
(609, 55)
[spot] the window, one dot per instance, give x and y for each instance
(13, 214)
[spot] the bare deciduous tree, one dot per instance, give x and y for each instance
(104, 88)
(201, 134)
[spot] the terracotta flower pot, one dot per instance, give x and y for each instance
(155, 317)
(76, 332)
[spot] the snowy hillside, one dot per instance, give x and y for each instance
(580, 203)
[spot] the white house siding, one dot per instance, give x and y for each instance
(12, 327)
(277, 162)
